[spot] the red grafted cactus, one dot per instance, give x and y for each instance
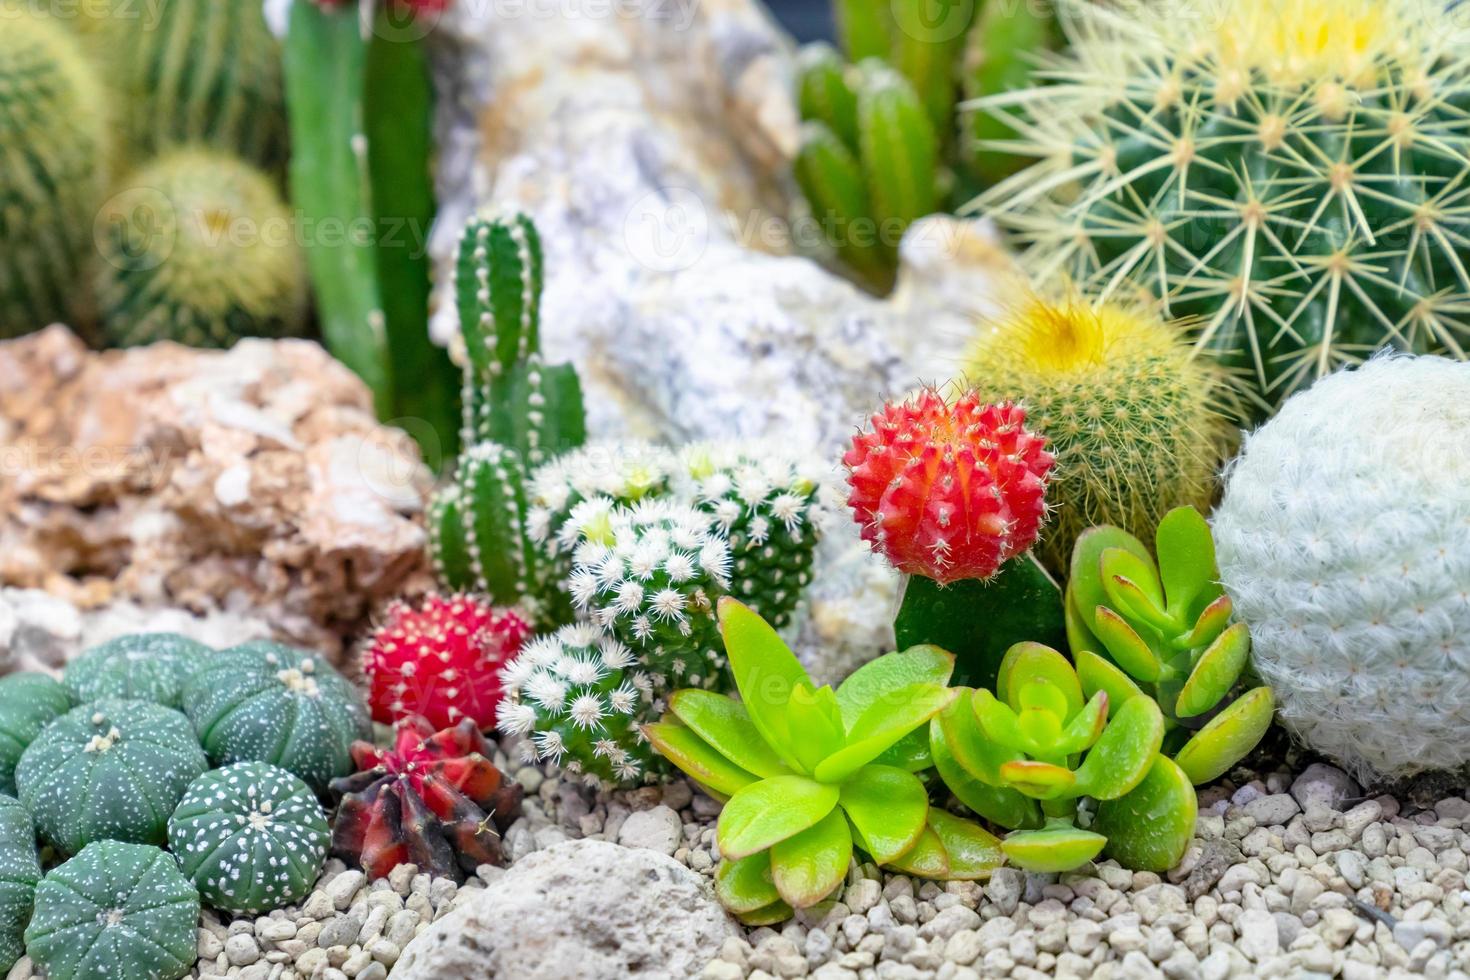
(434, 799)
(441, 660)
(945, 491)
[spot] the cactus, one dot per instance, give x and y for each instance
(1288, 174)
(1344, 542)
(29, 701)
(220, 264)
(432, 799)
(578, 699)
(651, 576)
(1134, 421)
(192, 72)
(112, 769)
(115, 912)
(441, 660)
(518, 414)
(20, 870)
(143, 666)
(250, 836)
(265, 702)
(53, 173)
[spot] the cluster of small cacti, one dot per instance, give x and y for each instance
(433, 799)
(441, 660)
(1284, 172)
(882, 144)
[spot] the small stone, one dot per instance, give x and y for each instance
(1410, 934)
(1004, 889)
(1272, 811)
(342, 931)
(863, 895)
(658, 830)
(344, 887)
(241, 949)
(1259, 936)
(1324, 785)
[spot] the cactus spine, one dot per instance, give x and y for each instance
(52, 173)
(518, 414)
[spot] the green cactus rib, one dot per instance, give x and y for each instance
(20, 871)
(53, 172)
(29, 701)
(1305, 208)
(900, 151)
(143, 666)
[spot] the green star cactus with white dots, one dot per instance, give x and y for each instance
(251, 836)
(116, 911)
(29, 701)
(518, 413)
(112, 769)
(266, 702)
(1289, 172)
(578, 698)
(53, 172)
(142, 666)
(20, 870)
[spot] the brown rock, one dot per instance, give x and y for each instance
(255, 480)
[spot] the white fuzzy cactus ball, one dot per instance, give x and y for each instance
(1344, 542)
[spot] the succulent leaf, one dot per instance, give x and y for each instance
(1132, 586)
(1186, 554)
(1084, 729)
(887, 807)
(1040, 780)
(809, 866)
(1150, 828)
(973, 852)
(1122, 756)
(1212, 621)
(880, 679)
(697, 758)
(967, 742)
(745, 885)
(1228, 737)
(1125, 646)
(926, 859)
(998, 804)
(1218, 669)
(772, 810)
(1085, 582)
(725, 724)
(882, 725)
(766, 673)
(1097, 674)
(1052, 850)
(1026, 663)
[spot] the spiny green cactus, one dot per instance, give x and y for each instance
(518, 414)
(1288, 172)
(1135, 421)
(195, 72)
(578, 697)
(199, 249)
(53, 173)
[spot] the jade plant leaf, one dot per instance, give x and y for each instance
(1122, 756)
(998, 804)
(879, 680)
(1098, 674)
(1054, 849)
(770, 915)
(725, 724)
(926, 859)
(766, 673)
(1027, 663)
(1150, 828)
(1132, 585)
(968, 744)
(910, 752)
(1218, 669)
(702, 763)
(1128, 650)
(745, 885)
(770, 811)
(1040, 780)
(973, 851)
(999, 723)
(1083, 730)
(1228, 737)
(809, 866)
(1084, 583)
(881, 726)
(1211, 623)
(887, 806)
(1186, 551)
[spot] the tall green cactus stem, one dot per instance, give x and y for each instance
(53, 168)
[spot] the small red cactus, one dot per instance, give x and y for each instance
(442, 660)
(434, 799)
(948, 492)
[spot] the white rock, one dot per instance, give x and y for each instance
(1259, 938)
(658, 829)
(583, 910)
(1325, 785)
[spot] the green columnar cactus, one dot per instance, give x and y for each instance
(1288, 173)
(113, 769)
(1027, 739)
(115, 912)
(191, 72)
(199, 249)
(29, 701)
(20, 870)
(813, 774)
(518, 414)
(265, 702)
(251, 836)
(53, 173)
(578, 698)
(142, 666)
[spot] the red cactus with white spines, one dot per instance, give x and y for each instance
(946, 491)
(441, 660)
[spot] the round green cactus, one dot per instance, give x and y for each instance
(115, 912)
(20, 870)
(112, 769)
(53, 172)
(266, 702)
(142, 667)
(251, 836)
(199, 248)
(29, 701)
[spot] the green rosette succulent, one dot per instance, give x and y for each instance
(1163, 629)
(810, 774)
(1030, 752)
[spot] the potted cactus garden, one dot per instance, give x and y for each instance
(605, 491)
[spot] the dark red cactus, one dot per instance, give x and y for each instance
(434, 799)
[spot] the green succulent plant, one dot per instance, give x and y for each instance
(1029, 753)
(1164, 630)
(809, 774)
